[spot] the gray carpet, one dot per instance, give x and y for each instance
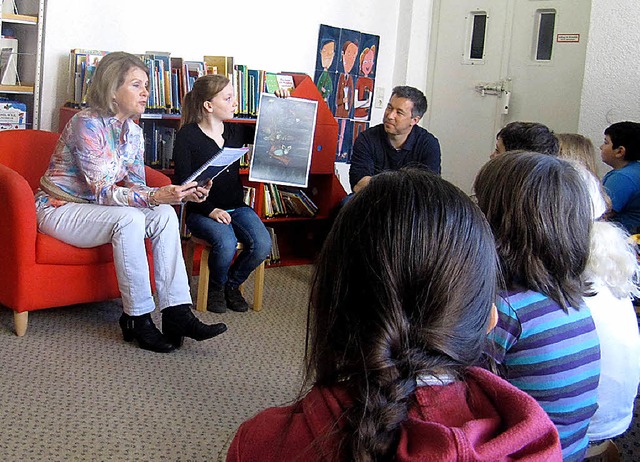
(73, 390)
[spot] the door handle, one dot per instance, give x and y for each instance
(501, 88)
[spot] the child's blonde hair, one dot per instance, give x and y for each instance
(612, 260)
(612, 255)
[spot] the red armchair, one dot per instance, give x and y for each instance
(39, 271)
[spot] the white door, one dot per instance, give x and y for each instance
(497, 61)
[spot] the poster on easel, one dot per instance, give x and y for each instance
(283, 142)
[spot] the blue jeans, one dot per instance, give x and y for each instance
(247, 228)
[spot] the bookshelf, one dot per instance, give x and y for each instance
(299, 238)
(25, 26)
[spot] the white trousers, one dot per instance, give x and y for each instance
(90, 225)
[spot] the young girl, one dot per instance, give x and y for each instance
(539, 210)
(223, 219)
(401, 302)
(612, 274)
(579, 148)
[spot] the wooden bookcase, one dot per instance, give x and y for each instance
(27, 28)
(299, 238)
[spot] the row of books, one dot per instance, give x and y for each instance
(274, 254)
(282, 201)
(170, 78)
(158, 144)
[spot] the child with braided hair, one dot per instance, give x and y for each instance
(401, 302)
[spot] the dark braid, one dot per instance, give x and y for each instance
(403, 288)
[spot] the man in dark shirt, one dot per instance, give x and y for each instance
(397, 142)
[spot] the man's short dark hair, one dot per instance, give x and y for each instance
(626, 134)
(529, 136)
(415, 96)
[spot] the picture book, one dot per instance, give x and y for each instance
(285, 82)
(271, 83)
(284, 141)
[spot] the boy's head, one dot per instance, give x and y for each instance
(526, 136)
(624, 135)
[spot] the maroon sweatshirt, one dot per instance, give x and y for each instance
(482, 419)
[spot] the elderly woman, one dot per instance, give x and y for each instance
(94, 192)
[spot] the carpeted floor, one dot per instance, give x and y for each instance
(72, 390)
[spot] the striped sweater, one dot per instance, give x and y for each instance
(555, 357)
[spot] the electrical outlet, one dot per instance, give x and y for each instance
(378, 101)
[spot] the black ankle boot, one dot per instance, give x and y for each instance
(142, 329)
(235, 300)
(179, 321)
(216, 301)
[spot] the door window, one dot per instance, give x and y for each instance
(546, 21)
(477, 30)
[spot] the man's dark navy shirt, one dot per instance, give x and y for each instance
(372, 153)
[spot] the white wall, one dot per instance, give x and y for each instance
(285, 39)
(611, 90)
(281, 39)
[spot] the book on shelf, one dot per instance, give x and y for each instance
(159, 65)
(274, 254)
(159, 140)
(177, 84)
(245, 160)
(222, 65)
(241, 89)
(82, 65)
(291, 202)
(192, 70)
(300, 206)
(215, 165)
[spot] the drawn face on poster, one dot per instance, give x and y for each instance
(345, 140)
(349, 51)
(328, 43)
(369, 44)
(367, 61)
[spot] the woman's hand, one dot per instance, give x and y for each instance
(221, 216)
(282, 93)
(198, 193)
(176, 194)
